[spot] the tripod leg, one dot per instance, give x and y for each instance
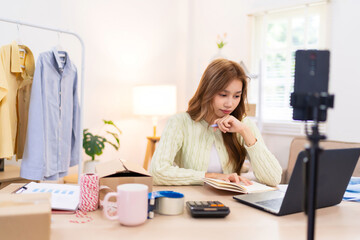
(305, 183)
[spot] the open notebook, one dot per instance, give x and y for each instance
(240, 188)
(63, 196)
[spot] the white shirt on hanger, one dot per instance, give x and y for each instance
(52, 141)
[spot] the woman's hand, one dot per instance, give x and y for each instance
(229, 123)
(233, 177)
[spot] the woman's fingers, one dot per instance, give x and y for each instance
(223, 124)
(227, 122)
(222, 127)
(233, 177)
(237, 179)
(246, 181)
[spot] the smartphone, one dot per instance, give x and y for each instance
(311, 77)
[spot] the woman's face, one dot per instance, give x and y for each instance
(228, 99)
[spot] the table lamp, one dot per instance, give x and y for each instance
(154, 101)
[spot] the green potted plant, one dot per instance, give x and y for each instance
(95, 144)
(220, 42)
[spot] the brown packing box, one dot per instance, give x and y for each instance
(116, 172)
(25, 216)
(250, 109)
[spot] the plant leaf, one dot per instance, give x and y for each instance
(112, 124)
(115, 135)
(93, 145)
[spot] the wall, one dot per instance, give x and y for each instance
(344, 72)
(344, 119)
(37, 40)
(212, 18)
(171, 42)
(216, 17)
(127, 43)
(278, 144)
(41, 12)
(130, 43)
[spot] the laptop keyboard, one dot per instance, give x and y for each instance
(271, 203)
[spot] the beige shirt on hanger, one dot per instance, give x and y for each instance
(16, 74)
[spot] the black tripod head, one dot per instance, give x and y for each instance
(310, 99)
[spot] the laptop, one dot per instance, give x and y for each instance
(335, 167)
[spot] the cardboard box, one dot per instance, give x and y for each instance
(250, 109)
(116, 172)
(25, 216)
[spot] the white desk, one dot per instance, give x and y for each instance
(337, 222)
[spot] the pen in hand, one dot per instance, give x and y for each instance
(214, 125)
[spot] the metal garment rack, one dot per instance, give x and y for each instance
(82, 76)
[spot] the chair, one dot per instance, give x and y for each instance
(297, 145)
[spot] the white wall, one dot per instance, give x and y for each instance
(127, 43)
(279, 145)
(344, 119)
(171, 42)
(130, 43)
(41, 12)
(211, 18)
(344, 82)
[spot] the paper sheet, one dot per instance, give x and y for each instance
(63, 196)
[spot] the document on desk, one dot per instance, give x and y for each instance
(240, 188)
(63, 196)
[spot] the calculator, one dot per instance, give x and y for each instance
(207, 209)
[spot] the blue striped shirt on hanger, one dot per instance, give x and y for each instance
(52, 141)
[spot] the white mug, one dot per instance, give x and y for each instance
(132, 204)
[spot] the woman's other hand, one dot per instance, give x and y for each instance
(233, 177)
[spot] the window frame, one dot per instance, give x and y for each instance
(259, 26)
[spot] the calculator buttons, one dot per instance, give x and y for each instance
(207, 209)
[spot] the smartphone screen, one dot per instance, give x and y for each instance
(311, 76)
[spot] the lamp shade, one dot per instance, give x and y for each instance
(154, 100)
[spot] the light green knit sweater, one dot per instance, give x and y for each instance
(183, 153)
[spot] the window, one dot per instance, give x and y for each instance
(277, 35)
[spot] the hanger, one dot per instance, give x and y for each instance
(19, 42)
(60, 50)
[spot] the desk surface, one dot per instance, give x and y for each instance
(337, 222)
(10, 173)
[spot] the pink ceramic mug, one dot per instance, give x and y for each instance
(132, 204)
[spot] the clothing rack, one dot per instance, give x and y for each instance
(82, 76)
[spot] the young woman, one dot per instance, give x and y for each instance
(192, 147)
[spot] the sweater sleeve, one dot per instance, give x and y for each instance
(162, 166)
(265, 165)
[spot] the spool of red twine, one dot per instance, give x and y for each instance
(89, 192)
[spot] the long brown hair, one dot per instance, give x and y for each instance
(215, 79)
